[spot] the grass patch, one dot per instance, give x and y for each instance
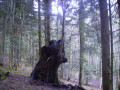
(13, 71)
(2, 76)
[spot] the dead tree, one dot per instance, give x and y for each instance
(50, 59)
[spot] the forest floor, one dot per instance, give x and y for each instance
(91, 85)
(19, 81)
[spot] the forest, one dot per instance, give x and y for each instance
(74, 43)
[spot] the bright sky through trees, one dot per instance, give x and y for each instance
(54, 7)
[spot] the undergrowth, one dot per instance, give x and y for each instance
(13, 71)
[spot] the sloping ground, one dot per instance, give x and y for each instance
(20, 82)
(87, 87)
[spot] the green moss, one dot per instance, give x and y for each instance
(16, 72)
(3, 75)
(59, 82)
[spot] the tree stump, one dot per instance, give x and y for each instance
(47, 67)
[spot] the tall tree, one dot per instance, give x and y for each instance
(81, 28)
(57, 20)
(5, 28)
(47, 4)
(11, 53)
(39, 25)
(106, 73)
(64, 6)
(21, 29)
(111, 44)
(70, 59)
(118, 1)
(63, 30)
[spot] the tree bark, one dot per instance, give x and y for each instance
(4, 37)
(81, 29)
(106, 71)
(11, 53)
(57, 22)
(70, 59)
(111, 44)
(47, 21)
(39, 26)
(118, 1)
(62, 38)
(20, 36)
(47, 67)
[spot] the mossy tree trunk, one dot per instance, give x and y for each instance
(106, 70)
(81, 31)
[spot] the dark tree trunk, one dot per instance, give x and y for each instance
(39, 26)
(106, 73)
(47, 67)
(119, 40)
(47, 21)
(111, 44)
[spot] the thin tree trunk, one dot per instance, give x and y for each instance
(29, 48)
(111, 45)
(63, 28)
(119, 71)
(116, 74)
(81, 28)
(33, 54)
(39, 26)
(57, 23)
(45, 30)
(63, 24)
(4, 37)
(106, 71)
(20, 37)
(62, 38)
(16, 53)
(19, 51)
(47, 21)
(70, 60)
(119, 41)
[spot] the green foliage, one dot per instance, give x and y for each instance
(8, 70)
(3, 75)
